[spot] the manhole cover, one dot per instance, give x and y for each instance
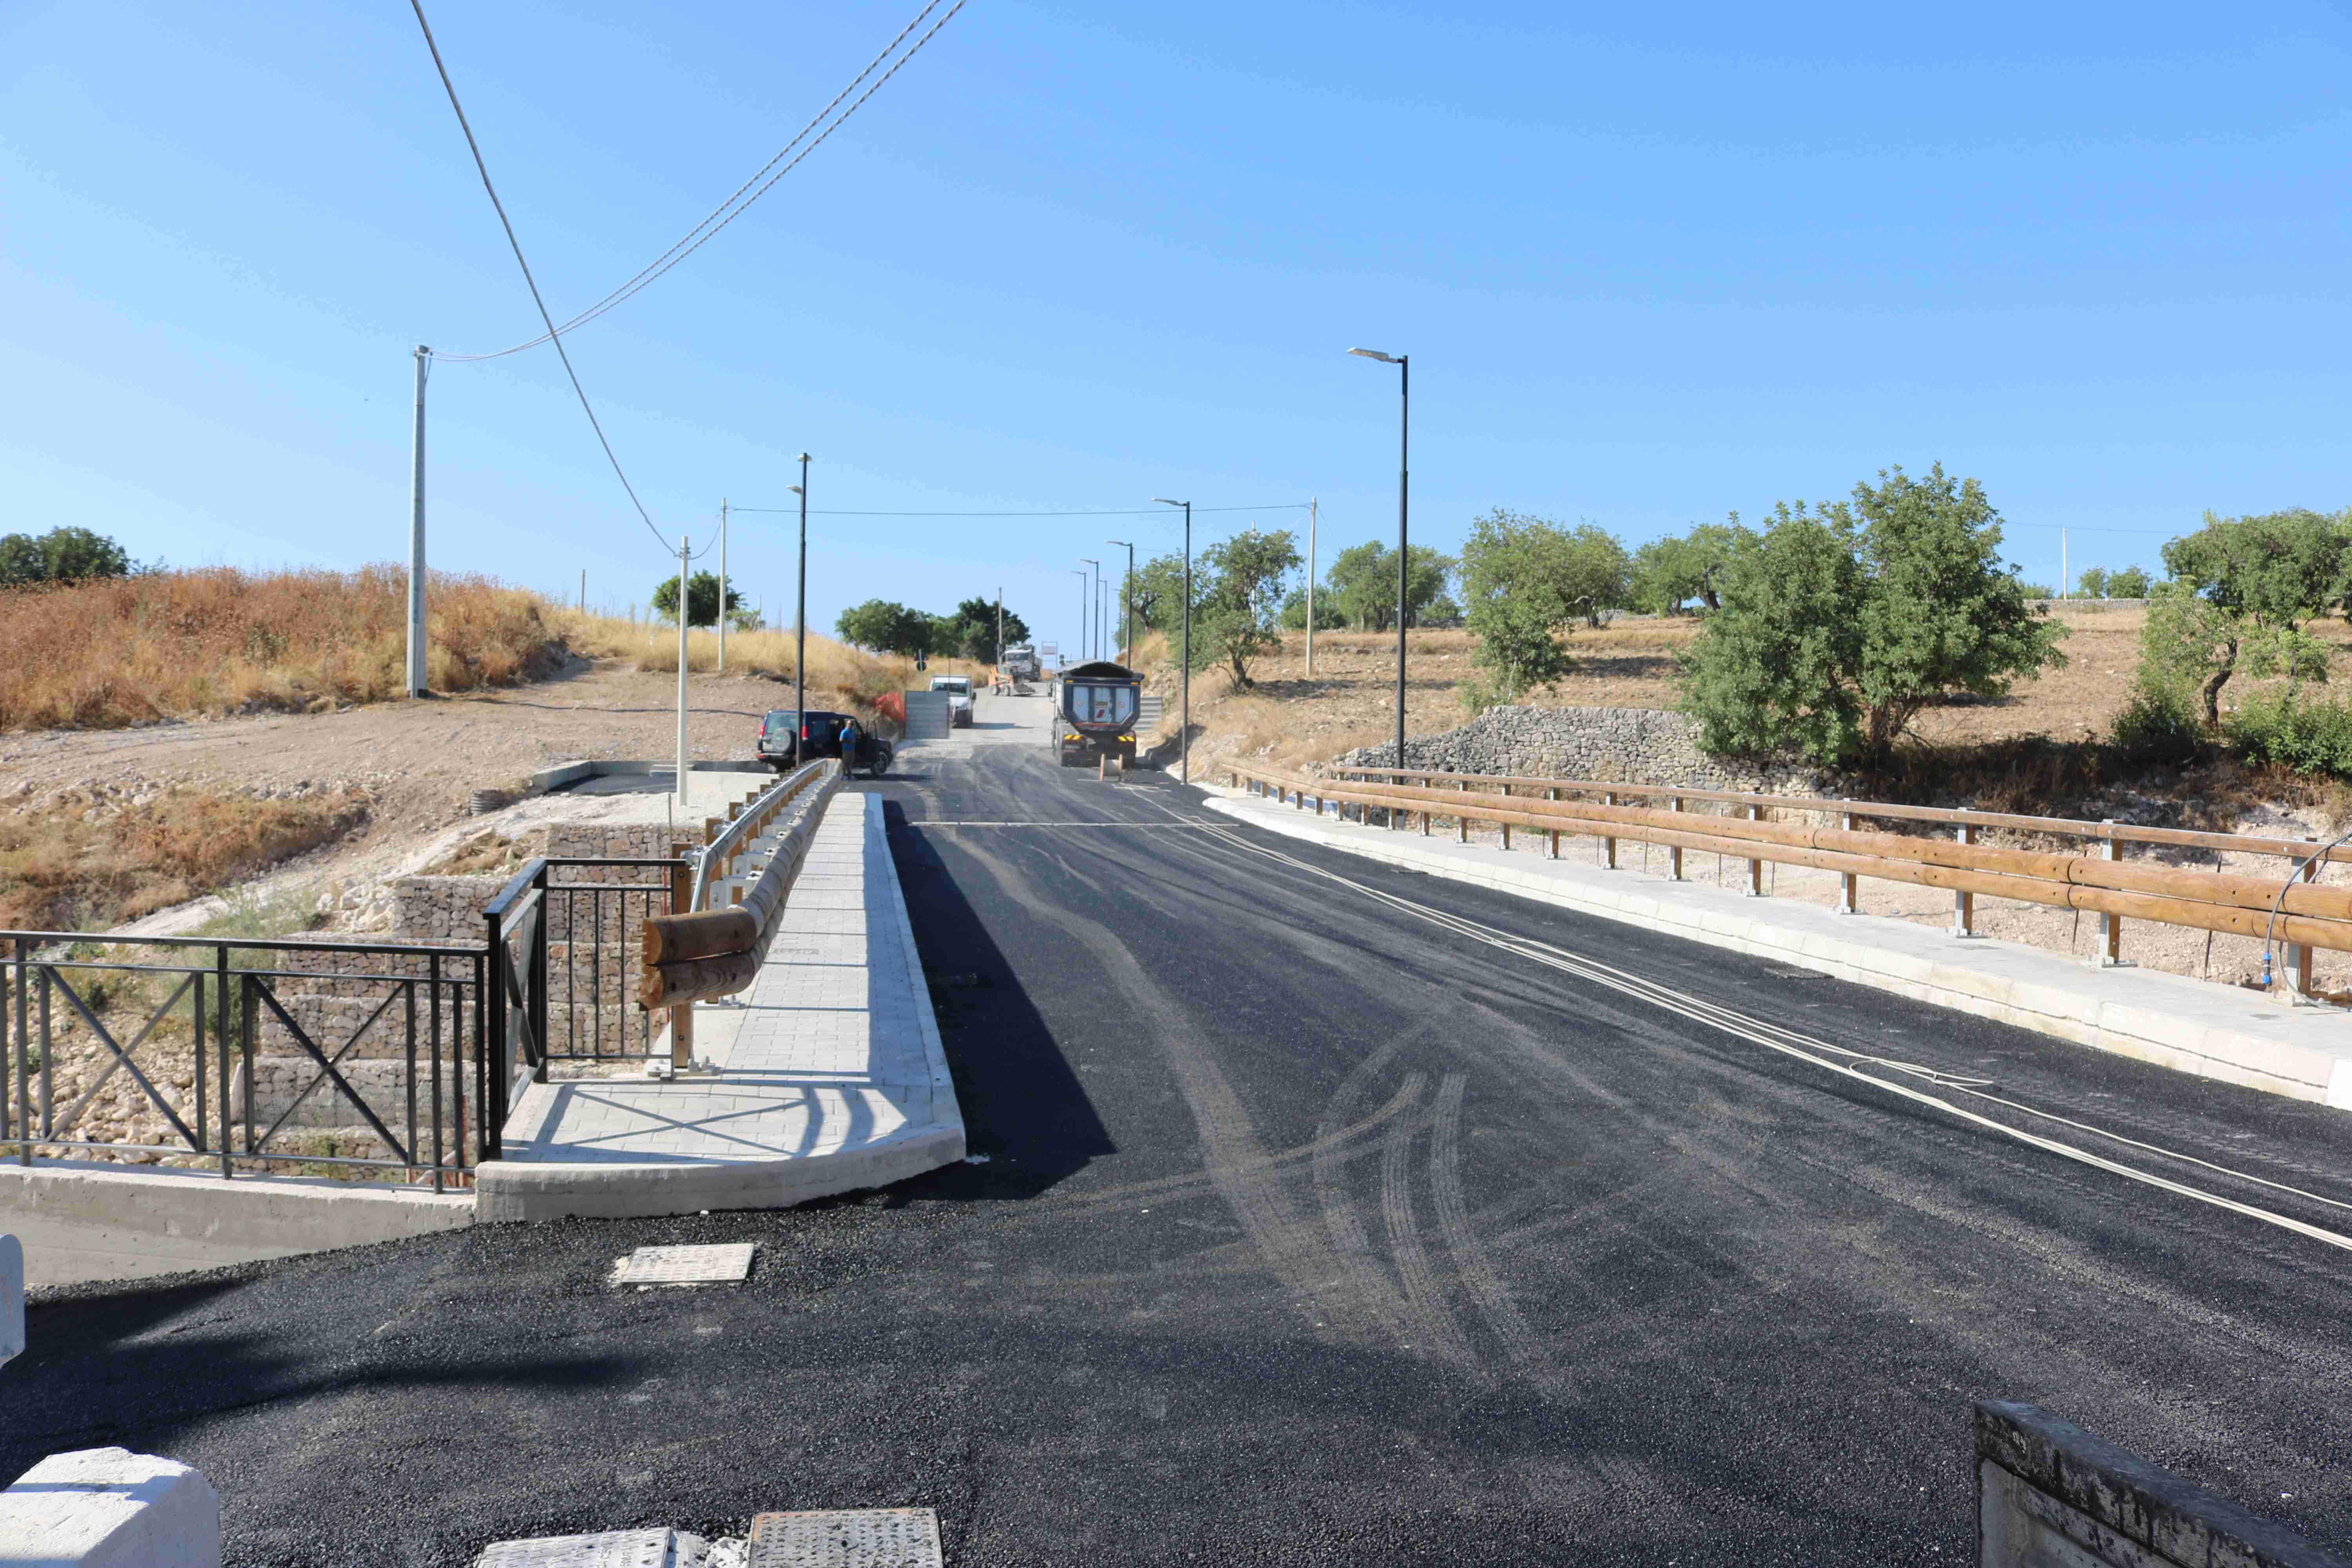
(846, 1538)
(614, 1549)
(727, 1263)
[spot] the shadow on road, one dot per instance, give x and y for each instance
(1023, 1107)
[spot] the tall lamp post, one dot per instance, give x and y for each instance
(1125, 603)
(1185, 716)
(1404, 436)
(800, 622)
(1091, 620)
(1086, 592)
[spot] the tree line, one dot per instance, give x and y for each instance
(971, 632)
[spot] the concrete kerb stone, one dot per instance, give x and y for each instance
(2170, 1021)
(88, 1221)
(108, 1508)
(12, 1299)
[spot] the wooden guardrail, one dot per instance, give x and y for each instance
(2306, 917)
(702, 954)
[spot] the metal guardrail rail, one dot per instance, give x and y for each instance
(2288, 910)
(747, 822)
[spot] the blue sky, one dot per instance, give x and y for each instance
(1652, 264)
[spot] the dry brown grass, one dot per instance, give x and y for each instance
(59, 872)
(848, 676)
(218, 640)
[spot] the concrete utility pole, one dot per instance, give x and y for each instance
(722, 585)
(1082, 611)
(800, 620)
(416, 534)
(1313, 515)
(584, 590)
(999, 626)
(1126, 605)
(683, 538)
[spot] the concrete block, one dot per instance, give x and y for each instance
(12, 1299)
(108, 1508)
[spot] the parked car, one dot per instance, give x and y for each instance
(786, 736)
(959, 690)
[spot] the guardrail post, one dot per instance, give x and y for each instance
(2299, 984)
(1462, 824)
(1964, 904)
(681, 1013)
(1755, 868)
(1674, 852)
(2111, 927)
(1849, 883)
(1506, 826)
(1554, 795)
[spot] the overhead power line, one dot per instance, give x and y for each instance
(532, 283)
(722, 215)
(1136, 511)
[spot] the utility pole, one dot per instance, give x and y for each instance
(1082, 611)
(417, 535)
(1313, 515)
(1000, 626)
(1089, 630)
(584, 590)
(722, 585)
(685, 537)
(2065, 588)
(800, 622)
(1185, 656)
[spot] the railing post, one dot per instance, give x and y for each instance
(1554, 852)
(2111, 927)
(536, 1003)
(1755, 868)
(220, 1046)
(23, 1072)
(681, 1013)
(1674, 852)
(1462, 823)
(1964, 904)
(2298, 954)
(1506, 826)
(1849, 882)
(1609, 841)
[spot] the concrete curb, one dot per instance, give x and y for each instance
(2169, 1020)
(83, 1220)
(534, 1190)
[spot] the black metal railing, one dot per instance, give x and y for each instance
(357, 1058)
(564, 936)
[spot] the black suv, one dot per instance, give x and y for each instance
(783, 733)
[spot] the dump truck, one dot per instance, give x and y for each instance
(1021, 662)
(1099, 705)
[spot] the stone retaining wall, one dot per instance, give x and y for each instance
(1634, 745)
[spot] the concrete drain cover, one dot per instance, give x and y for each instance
(725, 1263)
(614, 1549)
(846, 1538)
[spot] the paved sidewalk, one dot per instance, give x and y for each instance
(830, 1074)
(2192, 1025)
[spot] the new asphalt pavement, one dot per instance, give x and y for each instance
(1311, 1225)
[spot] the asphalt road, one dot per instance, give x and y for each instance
(1309, 1231)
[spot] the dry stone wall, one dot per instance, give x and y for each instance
(1629, 745)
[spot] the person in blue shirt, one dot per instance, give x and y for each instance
(848, 746)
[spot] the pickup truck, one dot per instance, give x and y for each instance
(959, 690)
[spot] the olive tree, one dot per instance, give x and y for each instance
(1241, 602)
(1837, 625)
(1669, 572)
(2242, 589)
(1361, 584)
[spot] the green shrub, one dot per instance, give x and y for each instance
(2158, 728)
(2295, 731)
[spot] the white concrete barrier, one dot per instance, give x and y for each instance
(12, 1299)
(109, 1508)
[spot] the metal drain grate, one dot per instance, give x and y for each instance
(614, 1549)
(846, 1538)
(727, 1263)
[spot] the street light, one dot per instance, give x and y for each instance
(1086, 592)
(799, 621)
(1185, 719)
(1404, 436)
(1127, 601)
(1088, 617)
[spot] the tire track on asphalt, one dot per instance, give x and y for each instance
(1295, 1250)
(1444, 1337)
(1471, 1264)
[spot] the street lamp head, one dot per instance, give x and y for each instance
(794, 489)
(803, 457)
(1122, 544)
(1373, 353)
(1163, 500)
